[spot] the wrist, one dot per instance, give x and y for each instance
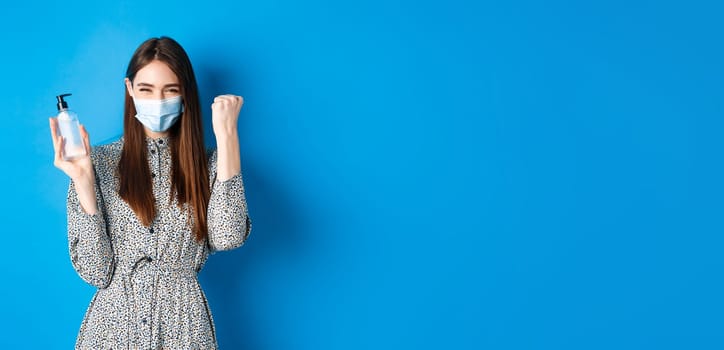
(84, 180)
(226, 137)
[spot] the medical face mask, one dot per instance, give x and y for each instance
(158, 115)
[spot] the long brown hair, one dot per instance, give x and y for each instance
(190, 173)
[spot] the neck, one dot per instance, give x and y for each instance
(153, 134)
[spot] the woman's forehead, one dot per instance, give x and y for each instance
(155, 73)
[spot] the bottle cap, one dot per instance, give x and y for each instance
(61, 103)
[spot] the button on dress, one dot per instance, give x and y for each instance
(148, 293)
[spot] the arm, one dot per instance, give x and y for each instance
(88, 242)
(228, 218)
(228, 215)
(89, 245)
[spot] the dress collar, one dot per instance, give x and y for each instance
(160, 142)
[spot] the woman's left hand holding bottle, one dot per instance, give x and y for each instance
(80, 170)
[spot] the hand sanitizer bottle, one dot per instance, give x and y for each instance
(68, 126)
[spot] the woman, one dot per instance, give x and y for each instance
(145, 211)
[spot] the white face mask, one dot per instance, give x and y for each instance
(158, 115)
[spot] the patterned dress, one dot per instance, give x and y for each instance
(148, 293)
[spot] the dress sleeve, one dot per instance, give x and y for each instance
(229, 224)
(90, 247)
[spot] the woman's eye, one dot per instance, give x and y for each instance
(144, 90)
(173, 91)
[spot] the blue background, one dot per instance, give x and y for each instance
(421, 175)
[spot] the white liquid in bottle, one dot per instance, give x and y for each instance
(69, 129)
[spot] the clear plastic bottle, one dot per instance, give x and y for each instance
(69, 128)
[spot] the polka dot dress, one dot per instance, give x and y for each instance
(148, 293)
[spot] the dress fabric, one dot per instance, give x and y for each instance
(148, 293)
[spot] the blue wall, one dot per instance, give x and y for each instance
(421, 175)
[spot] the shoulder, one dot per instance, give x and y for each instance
(212, 160)
(211, 155)
(106, 156)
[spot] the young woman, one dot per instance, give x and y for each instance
(145, 211)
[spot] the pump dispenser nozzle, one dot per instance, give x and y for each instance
(61, 103)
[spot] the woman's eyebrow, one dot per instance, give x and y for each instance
(165, 86)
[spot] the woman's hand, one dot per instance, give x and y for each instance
(80, 170)
(225, 115)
